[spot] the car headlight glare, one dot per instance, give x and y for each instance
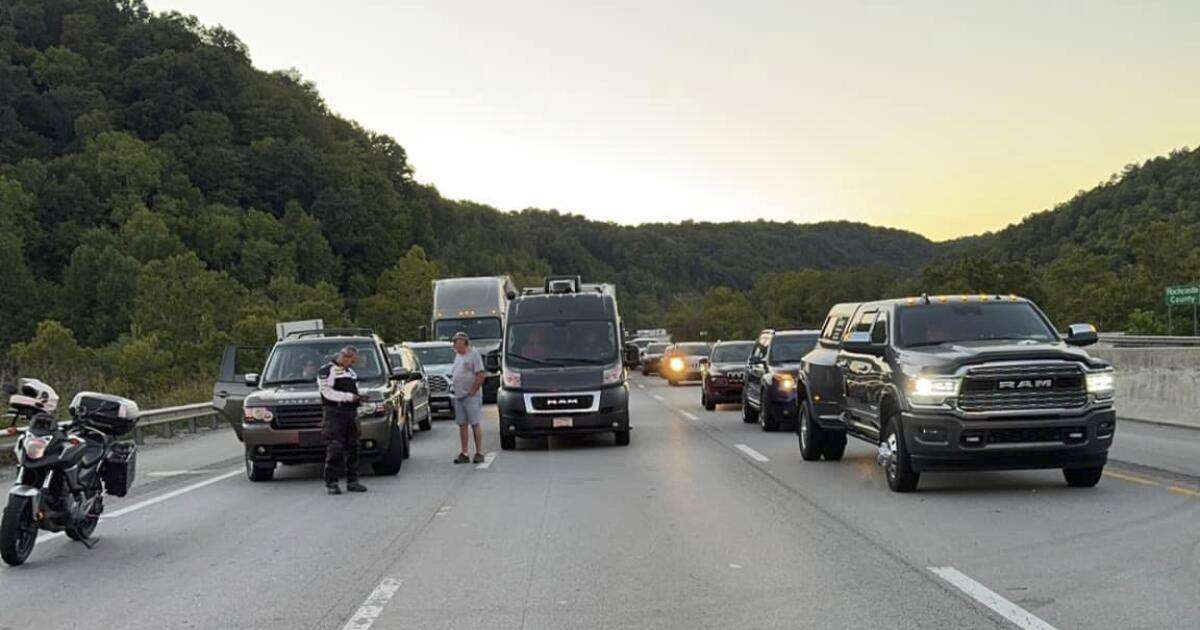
(1101, 384)
(677, 364)
(786, 382)
(934, 390)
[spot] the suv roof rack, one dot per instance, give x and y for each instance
(332, 332)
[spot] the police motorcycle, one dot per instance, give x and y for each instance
(65, 468)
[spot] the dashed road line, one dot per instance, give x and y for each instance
(370, 609)
(487, 461)
(752, 454)
(1170, 487)
(658, 398)
(1019, 616)
(1130, 478)
(444, 510)
(689, 416)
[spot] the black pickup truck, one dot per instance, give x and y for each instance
(957, 383)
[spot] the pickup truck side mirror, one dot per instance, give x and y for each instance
(1082, 335)
(400, 374)
(491, 361)
(251, 379)
(860, 343)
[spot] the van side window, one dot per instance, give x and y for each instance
(879, 333)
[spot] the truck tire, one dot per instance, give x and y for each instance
(393, 459)
(749, 414)
(18, 534)
(898, 467)
(811, 436)
(1083, 477)
(834, 446)
(622, 437)
(257, 472)
(508, 442)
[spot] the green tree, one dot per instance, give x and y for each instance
(404, 298)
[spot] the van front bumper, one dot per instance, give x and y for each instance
(611, 415)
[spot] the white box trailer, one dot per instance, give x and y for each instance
(283, 329)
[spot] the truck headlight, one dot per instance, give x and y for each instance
(933, 390)
(1101, 384)
(511, 379)
(614, 374)
(785, 382)
(676, 364)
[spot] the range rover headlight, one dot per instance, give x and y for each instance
(927, 390)
(1101, 384)
(257, 414)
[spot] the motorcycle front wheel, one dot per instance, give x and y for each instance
(18, 533)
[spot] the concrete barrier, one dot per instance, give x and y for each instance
(1156, 384)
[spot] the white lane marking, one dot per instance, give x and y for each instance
(487, 461)
(735, 566)
(640, 386)
(1019, 616)
(752, 454)
(690, 416)
(172, 494)
(444, 510)
(175, 473)
(658, 398)
(370, 609)
(148, 502)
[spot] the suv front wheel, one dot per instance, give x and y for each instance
(257, 471)
(812, 438)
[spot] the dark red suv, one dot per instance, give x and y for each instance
(724, 373)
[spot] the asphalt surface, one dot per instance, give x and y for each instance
(702, 521)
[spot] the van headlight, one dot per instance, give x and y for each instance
(927, 390)
(511, 379)
(614, 374)
(1101, 384)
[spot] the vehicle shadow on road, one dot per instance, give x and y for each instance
(567, 442)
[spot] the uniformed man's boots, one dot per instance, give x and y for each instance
(354, 486)
(333, 488)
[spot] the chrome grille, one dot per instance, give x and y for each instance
(1023, 388)
(438, 384)
(297, 417)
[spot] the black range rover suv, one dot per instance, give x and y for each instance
(957, 383)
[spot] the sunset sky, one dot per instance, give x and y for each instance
(945, 118)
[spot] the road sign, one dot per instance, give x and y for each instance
(1183, 295)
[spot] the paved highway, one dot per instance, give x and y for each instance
(702, 522)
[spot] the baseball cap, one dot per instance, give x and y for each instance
(460, 335)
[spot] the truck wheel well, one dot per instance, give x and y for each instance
(887, 411)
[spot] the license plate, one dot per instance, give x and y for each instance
(563, 423)
(311, 438)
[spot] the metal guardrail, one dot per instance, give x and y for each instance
(1121, 340)
(164, 420)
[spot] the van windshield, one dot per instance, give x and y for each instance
(475, 327)
(299, 362)
(692, 349)
(561, 344)
(935, 324)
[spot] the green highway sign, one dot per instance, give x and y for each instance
(1183, 295)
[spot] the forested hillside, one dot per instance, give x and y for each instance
(160, 197)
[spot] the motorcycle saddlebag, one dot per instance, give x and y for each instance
(118, 468)
(113, 415)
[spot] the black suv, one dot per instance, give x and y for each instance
(957, 383)
(772, 371)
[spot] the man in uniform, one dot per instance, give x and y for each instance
(339, 396)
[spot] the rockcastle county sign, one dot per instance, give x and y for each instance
(1182, 295)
